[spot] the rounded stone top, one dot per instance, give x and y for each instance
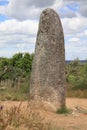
(49, 22)
(49, 10)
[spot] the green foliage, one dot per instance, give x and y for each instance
(81, 84)
(64, 110)
(77, 75)
(4, 62)
(16, 71)
(16, 58)
(18, 66)
(71, 78)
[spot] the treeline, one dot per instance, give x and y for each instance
(76, 75)
(18, 66)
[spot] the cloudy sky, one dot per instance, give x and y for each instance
(19, 21)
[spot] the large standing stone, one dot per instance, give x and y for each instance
(48, 70)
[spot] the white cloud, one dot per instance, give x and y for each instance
(14, 26)
(74, 39)
(75, 30)
(31, 9)
(28, 9)
(39, 3)
(82, 5)
(1, 43)
(74, 50)
(14, 32)
(85, 32)
(74, 25)
(19, 33)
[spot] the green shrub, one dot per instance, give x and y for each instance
(82, 85)
(71, 78)
(64, 111)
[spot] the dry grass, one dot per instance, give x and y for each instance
(17, 118)
(30, 116)
(77, 93)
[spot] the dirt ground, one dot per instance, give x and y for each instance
(77, 120)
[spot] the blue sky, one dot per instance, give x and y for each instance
(4, 2)
(19, 21)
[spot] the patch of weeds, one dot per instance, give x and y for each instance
(19, 118)
(64, 110)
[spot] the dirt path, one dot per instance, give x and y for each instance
(75, 121)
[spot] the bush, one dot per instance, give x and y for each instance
(77, 75)
(80, 85)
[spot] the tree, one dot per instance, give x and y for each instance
(77, 75)
(15, 59)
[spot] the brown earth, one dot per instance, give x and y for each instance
(77, 120)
